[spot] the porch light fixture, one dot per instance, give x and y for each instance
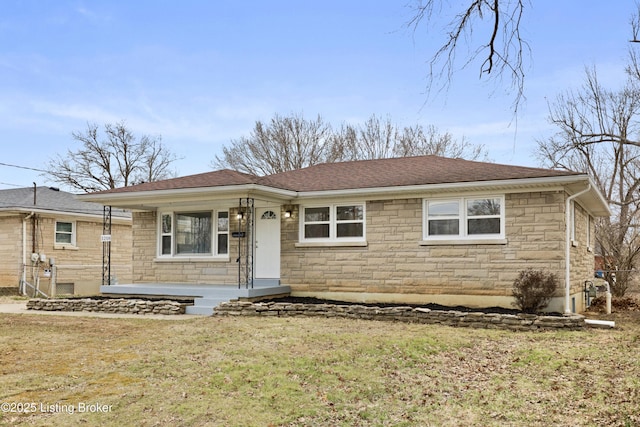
(287, 214)
(240, 215)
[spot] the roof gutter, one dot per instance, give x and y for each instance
(567, 250)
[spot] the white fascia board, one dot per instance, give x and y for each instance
(599, 197)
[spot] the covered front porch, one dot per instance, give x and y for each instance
(210, 251)
(205, 296)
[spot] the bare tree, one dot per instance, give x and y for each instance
(288, 143)
(111, 159)
(598, 134)
(634, 22)
(284, 144)
(379, 138)
(375, 139)
(500, 51)
(418, 141)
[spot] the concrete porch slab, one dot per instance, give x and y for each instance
(206, 296)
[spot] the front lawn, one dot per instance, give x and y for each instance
(61, 371)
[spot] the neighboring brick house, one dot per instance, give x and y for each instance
(56, 226)
(415, 230)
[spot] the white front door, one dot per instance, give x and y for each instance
(267, 254)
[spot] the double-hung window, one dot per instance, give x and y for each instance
(222, 233)
(194, 233)
(333, 223)
(464, 218)
(65, 233)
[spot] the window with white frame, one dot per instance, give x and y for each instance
(222, 233)
(339, 222)
(65, 233)
(194, 233)
(166, 234)
(464, 218)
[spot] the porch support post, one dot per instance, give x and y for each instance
(245, 247)
(106, 246)
(239, 260)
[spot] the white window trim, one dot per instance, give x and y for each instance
(190, 257)
(463, 236)
(333, 224)
(73, 243)
(217, 233)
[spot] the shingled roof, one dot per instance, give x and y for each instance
(221, 178)
(52, 200)
(394, 172)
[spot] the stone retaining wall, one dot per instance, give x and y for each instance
(115, 305)
(519, 322)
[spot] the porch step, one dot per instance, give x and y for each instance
(204, 306)
(199, 310)
(205, 297)
(266, 282)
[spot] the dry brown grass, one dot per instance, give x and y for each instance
(315, 372)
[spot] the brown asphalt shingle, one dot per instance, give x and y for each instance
(396, 172)
(219, 178)
(421, 170)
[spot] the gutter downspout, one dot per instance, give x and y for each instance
(567, 251)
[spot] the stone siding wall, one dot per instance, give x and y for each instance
(519, 322)
(116, 305)
(582, 256)
(395, 262)
(80, 264)
(10, 250)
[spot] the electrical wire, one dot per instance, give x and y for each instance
(18, 167)
(22, 167)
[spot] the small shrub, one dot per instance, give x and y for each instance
(533, 290)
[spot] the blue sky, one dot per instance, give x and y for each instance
(200, 73)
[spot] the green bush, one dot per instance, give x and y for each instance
(533, 290)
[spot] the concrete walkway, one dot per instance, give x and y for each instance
(21, 308)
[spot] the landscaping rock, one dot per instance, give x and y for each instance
(108, 305)
(515, 322)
